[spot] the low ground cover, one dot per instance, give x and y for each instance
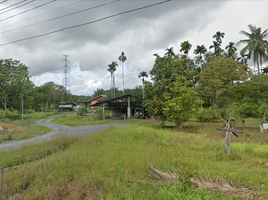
(114, 164)
(14, 128)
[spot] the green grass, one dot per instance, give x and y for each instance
(113, 164)
(17, 129)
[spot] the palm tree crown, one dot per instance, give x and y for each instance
(185, 47)
(200, 50)
(112, 69)
(143, 74)
(123, 58)
(256, 45)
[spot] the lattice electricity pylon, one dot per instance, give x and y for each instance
(66, 73)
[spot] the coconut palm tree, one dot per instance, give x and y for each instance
(185, 47)
(143, 74)
(231, 49)
(112, 69)
(123, 58)
(256, 45)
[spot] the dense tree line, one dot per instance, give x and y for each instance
(217, 78)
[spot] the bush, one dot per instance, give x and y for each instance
(207, 115)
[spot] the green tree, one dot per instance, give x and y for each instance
(123, 58)
(13, 76)
(256, 44)
(200, 50)
(220, 81)
(180, 102)
(255, 91)
(231, 50)
(112, 69)
(217, 44)
(163, 76)
(185, 47)
(143, 74)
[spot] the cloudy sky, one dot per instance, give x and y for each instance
(93, 33)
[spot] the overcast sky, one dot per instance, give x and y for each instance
(103, 33)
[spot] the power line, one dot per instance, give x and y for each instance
(28, 10)
(77, 12)
(87, 23)
(11, 5)
(41, 14)
(17, 7)
(3, 2)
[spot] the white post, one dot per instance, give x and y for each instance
(228, 142)
(128, 109)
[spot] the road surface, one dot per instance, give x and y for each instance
(65, 130)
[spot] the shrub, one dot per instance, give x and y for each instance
(207, 114)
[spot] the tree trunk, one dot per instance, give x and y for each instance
(264, 114)
(4, 102)
(179, 126)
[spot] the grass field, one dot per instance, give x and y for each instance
(114, 163)
(16, 129)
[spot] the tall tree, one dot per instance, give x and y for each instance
(180, 101)
(200, 50)
(143, 74)
(231, 50)
(185, 47)
(218, 36)
(163, 75)
(112, 69)
(256, 44)
(220, 80)
(13, 76)
(217, 44)
(123, 58)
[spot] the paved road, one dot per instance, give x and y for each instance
(66, 130)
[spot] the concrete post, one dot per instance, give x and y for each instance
(228, 142)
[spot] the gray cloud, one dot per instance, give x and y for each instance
(139, 34)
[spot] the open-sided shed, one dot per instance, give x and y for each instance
(122, 107)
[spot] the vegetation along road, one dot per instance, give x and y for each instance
(59, 130)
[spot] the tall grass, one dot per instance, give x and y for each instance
(113, 164)
(17, 129)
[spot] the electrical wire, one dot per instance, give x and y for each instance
(17, 7)
(27, 10)
(3, 2)
(11, 5)
(67, 15)
(87, 23)
(41, 14)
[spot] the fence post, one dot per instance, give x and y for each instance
(1, 181)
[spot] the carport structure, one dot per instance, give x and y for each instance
(122, 107)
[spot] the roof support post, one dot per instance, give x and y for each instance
(128, 109)
(103, 111)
